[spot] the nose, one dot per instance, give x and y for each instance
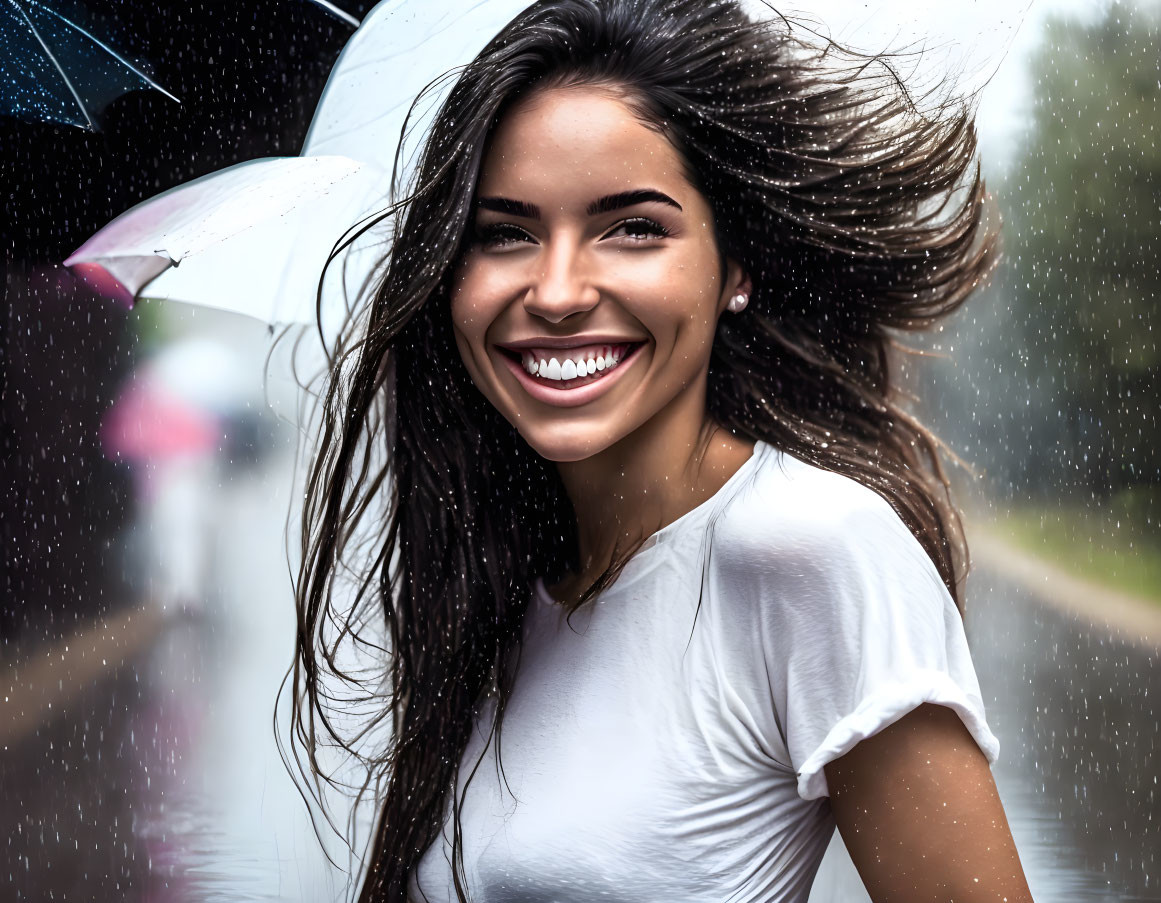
(563, 286)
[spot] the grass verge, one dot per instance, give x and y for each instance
(1096, 545)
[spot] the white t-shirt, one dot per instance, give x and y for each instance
(648, 757)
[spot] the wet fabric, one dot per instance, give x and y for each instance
(650, 754)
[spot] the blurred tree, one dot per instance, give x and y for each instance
(1083, 240)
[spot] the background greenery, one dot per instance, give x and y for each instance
(1050, 386)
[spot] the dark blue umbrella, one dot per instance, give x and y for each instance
(55, 67)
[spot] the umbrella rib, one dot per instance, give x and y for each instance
(48, 52)
(109, 50)
(340, 13)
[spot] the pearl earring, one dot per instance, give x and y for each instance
(738, 303)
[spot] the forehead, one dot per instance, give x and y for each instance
(577, 141)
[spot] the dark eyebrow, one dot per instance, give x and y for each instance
(607, 204)
(613, 202)
(509, 206)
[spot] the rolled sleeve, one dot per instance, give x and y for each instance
(860, 630)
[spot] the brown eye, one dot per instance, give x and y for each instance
(499, 235)
(640, 229)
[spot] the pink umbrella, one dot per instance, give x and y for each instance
(148, 423)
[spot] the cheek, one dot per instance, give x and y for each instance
(476, 301)
(474, 307)
(681, 300)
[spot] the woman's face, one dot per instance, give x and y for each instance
(586, 305)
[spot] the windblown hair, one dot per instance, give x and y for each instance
(856, 215)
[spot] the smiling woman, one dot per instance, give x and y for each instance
(630, 360)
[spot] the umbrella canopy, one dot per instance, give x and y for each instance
(252, 238)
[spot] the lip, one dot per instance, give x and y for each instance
(572, 341)
(569, 398)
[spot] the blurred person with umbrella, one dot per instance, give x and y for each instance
(187, 414)
(172, 446)
(248, 75)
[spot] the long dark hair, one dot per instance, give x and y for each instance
(856, 215)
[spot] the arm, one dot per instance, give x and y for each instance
(918, 810)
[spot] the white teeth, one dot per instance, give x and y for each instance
(554, 369)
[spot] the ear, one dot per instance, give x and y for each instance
(737, 282)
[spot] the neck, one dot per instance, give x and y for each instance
(644, 482)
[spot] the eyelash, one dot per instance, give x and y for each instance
(495, 232)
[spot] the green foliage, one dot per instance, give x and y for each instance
(1083, 237)
(1117, 544)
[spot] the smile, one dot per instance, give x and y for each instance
(566, 377)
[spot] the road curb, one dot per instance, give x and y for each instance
(38, 688)
(1128, 617)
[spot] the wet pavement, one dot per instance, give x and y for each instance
(1079, 715)
(159, 779)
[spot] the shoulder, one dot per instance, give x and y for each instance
(793, 508)
(802, 531)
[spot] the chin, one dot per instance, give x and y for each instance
(564, 445)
